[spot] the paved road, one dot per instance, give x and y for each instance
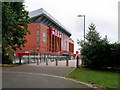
(29, 80)
(38, 76)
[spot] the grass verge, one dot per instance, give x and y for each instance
(101, 79)
(8, 65)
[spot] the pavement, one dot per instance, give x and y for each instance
(39, 76)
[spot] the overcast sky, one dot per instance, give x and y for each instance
(103, 13)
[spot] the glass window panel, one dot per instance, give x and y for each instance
(37, 27)
(37, 48)
(37, 43)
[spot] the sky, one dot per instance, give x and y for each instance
(103, 13)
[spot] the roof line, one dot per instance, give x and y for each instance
(41, 11)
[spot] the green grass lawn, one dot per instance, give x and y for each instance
(101, 79)
(8, 65)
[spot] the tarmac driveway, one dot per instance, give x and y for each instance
(36, 76)
(26, 80)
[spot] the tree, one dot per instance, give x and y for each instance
(91, 37)
(14, 28)
(34, 52)
(93, 48)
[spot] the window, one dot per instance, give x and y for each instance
(37, 48)
(37, 27)
(37, 43)
(37, 39)
(38, 36)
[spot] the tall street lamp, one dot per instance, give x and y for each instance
(84, 24)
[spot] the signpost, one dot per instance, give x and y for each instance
(77, 61)
(67, 62)
(77, 57)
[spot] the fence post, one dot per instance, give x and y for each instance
(67, 62)
(34, 58)
(19, 60)
(44, 57)
(28, 59)
(40, 57)
(46, 61)
(77, 62)
(53, 57)
(37, 60)
(50, 58)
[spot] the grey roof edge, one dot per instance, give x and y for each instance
(42, 11)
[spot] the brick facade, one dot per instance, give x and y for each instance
(54, 42)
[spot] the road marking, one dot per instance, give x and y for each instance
(86, 84)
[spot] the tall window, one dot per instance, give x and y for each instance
(37, 48)
(37, 36)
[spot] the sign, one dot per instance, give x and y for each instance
(60, 36)
(76, 52)
(26, 51)
(50, 30)
(53, 32)
(44, 37)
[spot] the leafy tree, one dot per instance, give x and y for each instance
(15, 22)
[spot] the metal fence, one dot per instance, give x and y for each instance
(38, 59)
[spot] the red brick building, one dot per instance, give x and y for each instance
(48, 35)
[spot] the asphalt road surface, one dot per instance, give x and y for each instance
(36, 76)
(26, 80)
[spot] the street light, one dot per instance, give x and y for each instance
(84, 24)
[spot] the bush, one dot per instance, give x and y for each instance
(8, 57)
(101, 56)
(6, 60)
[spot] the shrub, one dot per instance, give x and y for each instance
(97, 52)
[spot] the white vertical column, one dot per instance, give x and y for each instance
(119, 22)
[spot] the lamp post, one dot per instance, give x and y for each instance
(84, 24)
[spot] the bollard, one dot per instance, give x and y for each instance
(67, 62)
(40, 57)
(19, 60)
(77, 62)
(37, 60)
(56, 62)
(34, 58)
(46, 61)
(28, 59)
(44, 57)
